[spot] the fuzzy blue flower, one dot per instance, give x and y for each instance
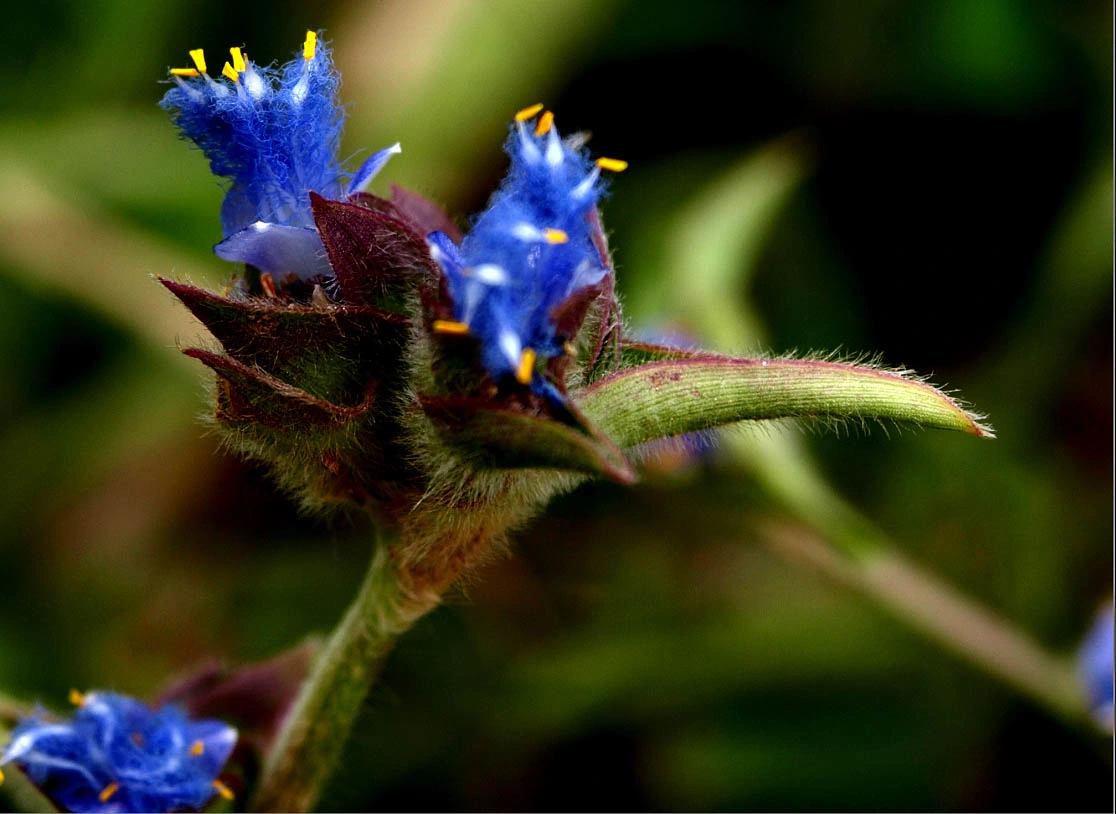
(274, 134)
(116, 754)
(528, 252)
(1095, 666)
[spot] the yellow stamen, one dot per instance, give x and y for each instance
(223, 790)
(197, 748)
(528, 112)
(311, 44)
(555, 236)
(184, 72)
(447, 326)
(238, 59)
(546, 121)
(108, 791)
(1, 777)
(526, 366)
(230, 72)
(612, 164)
(198, 55)
(76, 698)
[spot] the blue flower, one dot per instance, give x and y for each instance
(274, 134)
(1095, 665)
(118, 755)
(527, 253)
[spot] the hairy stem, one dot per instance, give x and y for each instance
(406, 579)
(314, 733)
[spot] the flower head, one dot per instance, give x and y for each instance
(274, 134)
(529, 252)
(1095, 665)
(116, 754)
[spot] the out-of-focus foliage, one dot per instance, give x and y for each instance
(930, 180)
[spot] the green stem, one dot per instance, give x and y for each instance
(314, 732)
(947, 617)
(844, 545)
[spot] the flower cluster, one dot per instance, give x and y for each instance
(116, 754)
(530, 251)
(443, 382)
(399, 344)
(274, 134)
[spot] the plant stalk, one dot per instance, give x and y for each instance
(946, 617)
(838, 541)
(310, 743)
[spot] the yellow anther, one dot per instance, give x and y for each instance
(612, 164)
(528, 112)
(76, 698)
(555, 236)
(184, 72)
(197, 748)
(311, 44)
(108, 791)
(223, 790)
(526, 366)
(1, 777)
(229, 72)
(546, 121)
(447, 326)
(238, 59)
(198, 55)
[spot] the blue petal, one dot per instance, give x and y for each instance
(219, 739)
(272, 133)
(277, 249)
(119, 755)
(537, 230)
(1095, 665)
(368, 170)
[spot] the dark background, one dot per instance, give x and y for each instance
(931, 181)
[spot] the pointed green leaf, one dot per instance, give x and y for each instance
(249, 394)
(330, 352)
(633, 353)
(493, 436)
(668, 398)
(377, 256)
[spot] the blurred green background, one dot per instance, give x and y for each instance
(926, 179)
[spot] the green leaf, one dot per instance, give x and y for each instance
(249, 394)
(668, 398)
(634, 353)
(506, 438)
(330, 352)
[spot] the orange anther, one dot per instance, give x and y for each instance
(612, 164)
(447, 326)
(546, 121)
(528, 112)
